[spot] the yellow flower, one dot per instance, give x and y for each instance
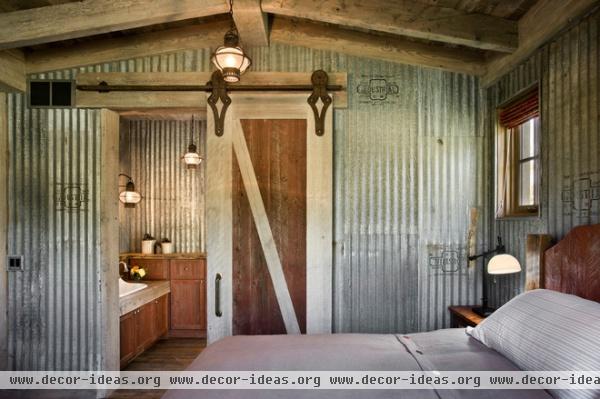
(141, 272)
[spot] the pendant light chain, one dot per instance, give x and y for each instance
(192, 131)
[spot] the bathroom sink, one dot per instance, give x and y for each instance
(126, 288)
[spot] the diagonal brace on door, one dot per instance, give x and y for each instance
(263, 228)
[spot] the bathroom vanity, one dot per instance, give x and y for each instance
(186, 274)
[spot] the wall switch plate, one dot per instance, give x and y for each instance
(15, 263)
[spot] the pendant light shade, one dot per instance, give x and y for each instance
(130, 198)
(230, 58)
(191, 158)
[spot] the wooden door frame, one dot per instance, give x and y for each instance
(319, 207)
(109, 238)
(4, 211)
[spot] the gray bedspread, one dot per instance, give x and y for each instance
(450, 349)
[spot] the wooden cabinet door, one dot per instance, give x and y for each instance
(128, 338)
(187, 308)
(156, 269)
(162, 316)
(145, 326)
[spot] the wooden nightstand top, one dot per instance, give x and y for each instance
(464, 316)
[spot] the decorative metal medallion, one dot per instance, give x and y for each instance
(581, 195)
(219, 92)
(378, 90)
(71, 197)
(446, 259)
(319, 81)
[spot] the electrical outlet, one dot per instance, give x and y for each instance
(15, 263)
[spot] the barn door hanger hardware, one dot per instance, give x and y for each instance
(219, 89)
(319, 81)
(319, 88)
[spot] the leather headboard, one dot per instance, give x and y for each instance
(572, 265)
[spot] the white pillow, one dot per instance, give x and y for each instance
(546, 330)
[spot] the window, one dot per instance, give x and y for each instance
(518, 157)
(50, 93)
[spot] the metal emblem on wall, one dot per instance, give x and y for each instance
(581, 195)
(377, 90)
(71, 197)
(446, 260)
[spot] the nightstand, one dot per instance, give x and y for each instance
(463, 316)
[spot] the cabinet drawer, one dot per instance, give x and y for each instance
(187, 269)
(156, 269)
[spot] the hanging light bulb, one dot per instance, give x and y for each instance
(129, 197)
(191, 158)
(230, 58)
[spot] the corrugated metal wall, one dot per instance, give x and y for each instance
(567, 70)
(410, 160)
(173, 196)
(54, 309)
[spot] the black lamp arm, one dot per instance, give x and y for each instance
(500, 249)
(127, 176)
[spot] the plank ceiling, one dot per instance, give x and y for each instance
(508, 9)
(480, 37)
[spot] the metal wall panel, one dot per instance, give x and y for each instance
(410, 159)
(173, 196)
(54, 214)
(567, 71)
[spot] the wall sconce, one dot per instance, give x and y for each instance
(501, 263)
(230, 58)
(130, 198)
(191, 158)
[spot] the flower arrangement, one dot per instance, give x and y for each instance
(137, 273)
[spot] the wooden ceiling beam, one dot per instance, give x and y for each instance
(251, 23)
(540, 24)
(12, 71)
(388, 48)
(91, 17)
(407, 18)
(99, 51)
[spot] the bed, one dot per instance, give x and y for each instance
(570, 267)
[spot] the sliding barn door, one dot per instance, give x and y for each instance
(269, 219)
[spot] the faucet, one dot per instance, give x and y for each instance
(125, 267)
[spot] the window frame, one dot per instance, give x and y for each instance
(515, 208)
(511, 208)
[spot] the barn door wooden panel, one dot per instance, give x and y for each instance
(269, 205)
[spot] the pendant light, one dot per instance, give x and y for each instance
(129, 197)
(191, 158)
(230, 58)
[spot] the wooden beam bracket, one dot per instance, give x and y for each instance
(319, 80)
(219, 92)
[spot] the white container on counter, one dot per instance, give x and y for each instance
(167, 247)
(148, 247)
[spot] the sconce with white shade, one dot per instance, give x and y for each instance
(191, 158)
(230, 58)
(129, 197)
(500, 263)
(503, 264)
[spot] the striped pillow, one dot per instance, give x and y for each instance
(546, 330)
